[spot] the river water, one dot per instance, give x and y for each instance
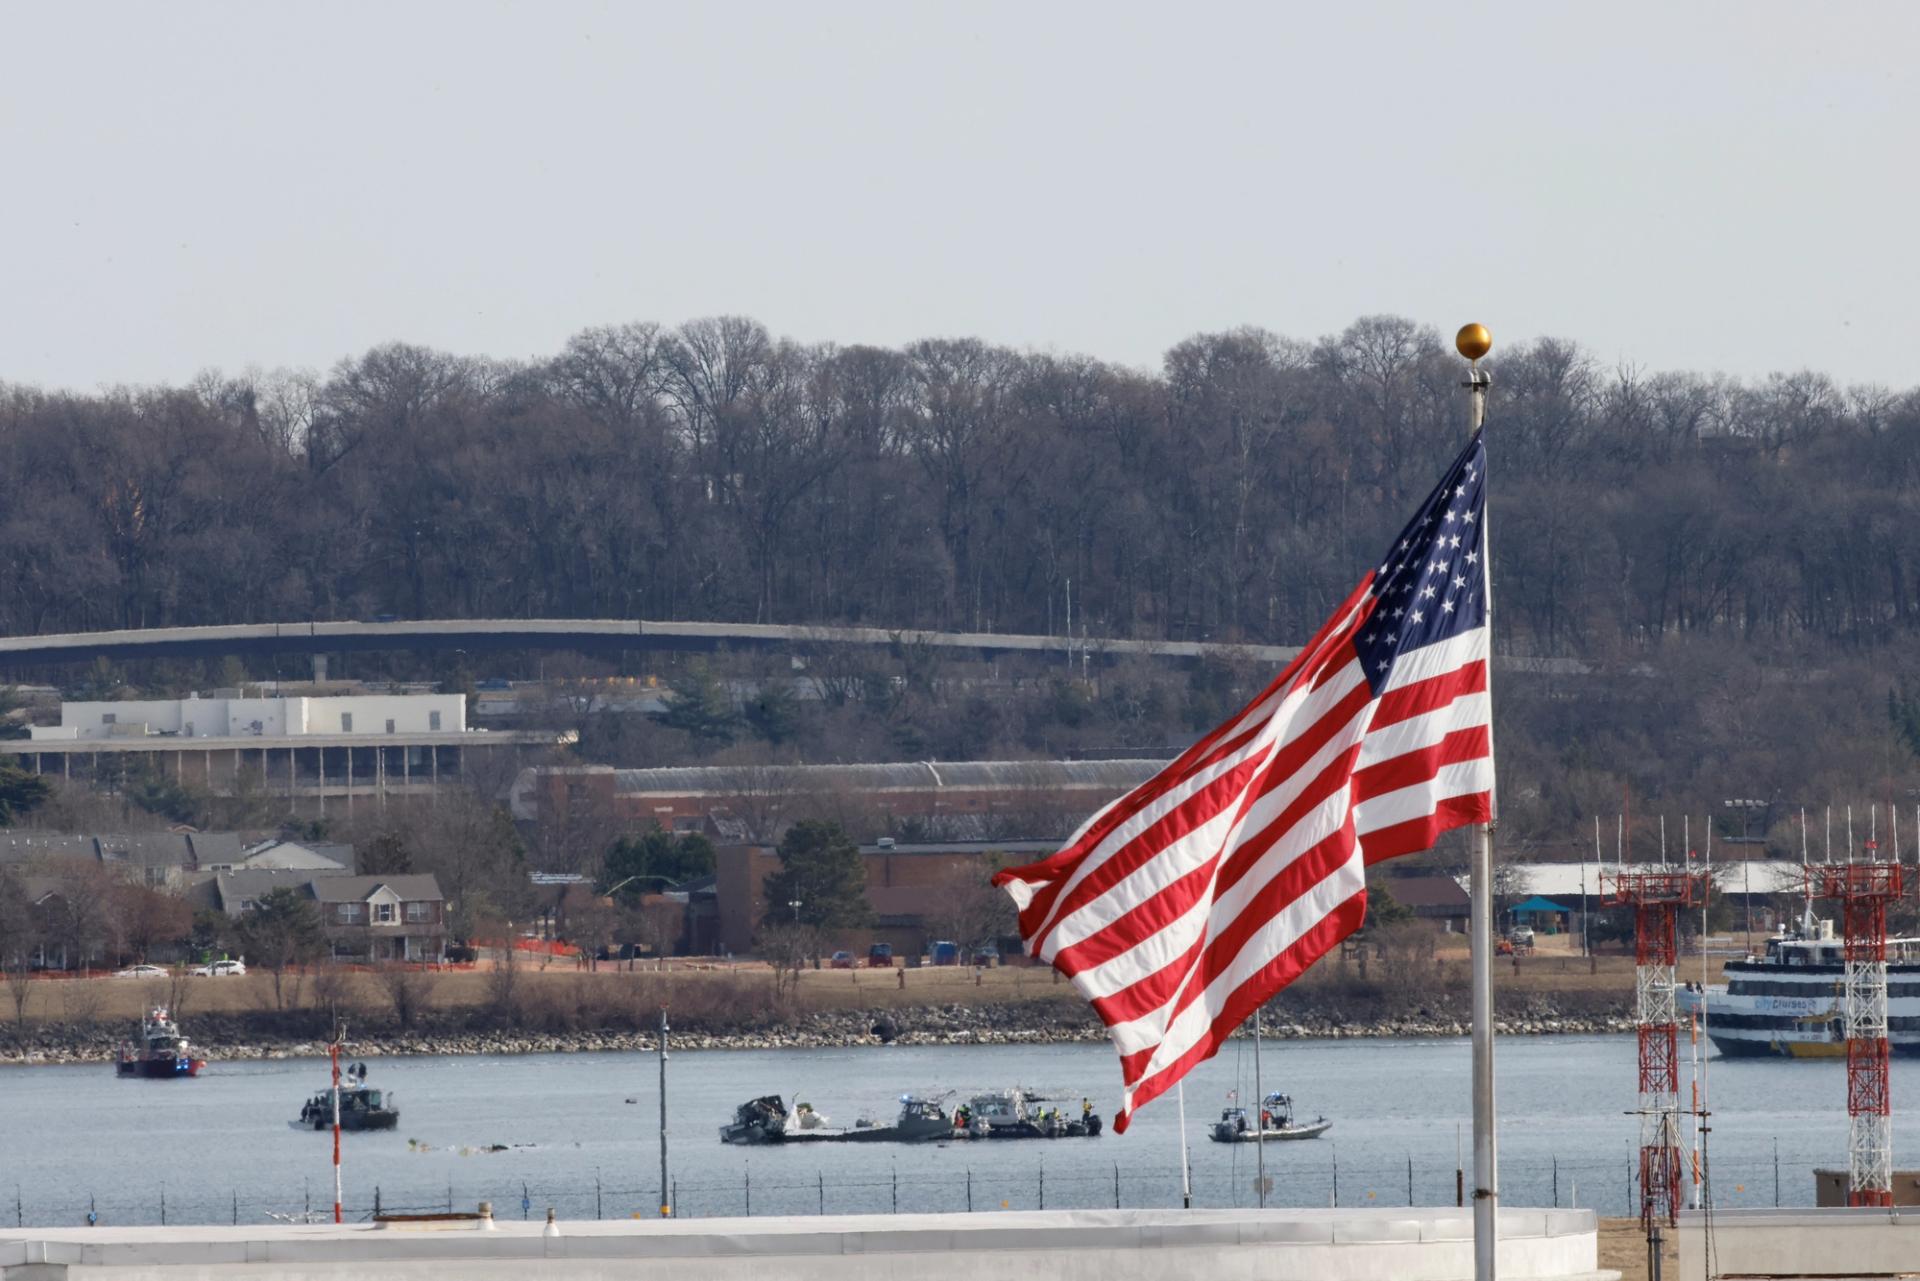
(580, 1132)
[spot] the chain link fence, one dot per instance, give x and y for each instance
(1605, 1185)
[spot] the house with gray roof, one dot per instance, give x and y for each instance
(383, 918)
(159, 860)
(366, 918)
(313, 856)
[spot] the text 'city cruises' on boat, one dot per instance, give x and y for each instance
(361, 1108)
(160, 1054)
(1791, 1001)
(1006, 1114)
(1276, 1123)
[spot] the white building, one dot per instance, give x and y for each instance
(275, 718)
(307, 750)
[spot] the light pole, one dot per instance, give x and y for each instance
(794, 903)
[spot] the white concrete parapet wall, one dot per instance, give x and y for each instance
(1828, 1243)
(1099, 1245)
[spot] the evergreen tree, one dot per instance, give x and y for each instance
(386, 854)
(20, 792)
(151, 789)
(1383, 909)
(644, 862)
(821, 869)
(701, 706)
(774, 713)
(280, 931)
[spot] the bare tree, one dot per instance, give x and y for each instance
(589, 921)
(788, 949)
(18, 938)
(79, 915)
(971, 910)
(503, 985)
(19, 983)
(761, 797)
(179, 991)
(335, 993)
(80, 1001)
(144, 919)
(408, 991)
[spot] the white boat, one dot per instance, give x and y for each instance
(1275, 1124)
(1789, 1001)
(1010, 1114)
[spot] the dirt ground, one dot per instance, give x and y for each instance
(1623, 1248)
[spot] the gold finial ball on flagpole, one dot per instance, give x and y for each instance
(1473, 341)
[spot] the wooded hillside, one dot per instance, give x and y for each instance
(1738, 560)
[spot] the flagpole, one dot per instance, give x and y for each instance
(1186, 1175)
(1259, 1115)
(1473, 342)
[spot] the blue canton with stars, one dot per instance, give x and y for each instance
(1433, 583)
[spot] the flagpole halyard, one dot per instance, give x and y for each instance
(1473, 342)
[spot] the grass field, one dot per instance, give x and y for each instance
(695, 984)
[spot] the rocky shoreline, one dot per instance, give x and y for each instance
(944, 1025)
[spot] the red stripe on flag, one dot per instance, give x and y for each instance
(1435, 692)
(1195, 758)
(1156, 967)
(1419, 834)
(1291, 882)
(1271, 775)
(1151, 915)
(1039, 918)
(1282, 970)
(1421, 764)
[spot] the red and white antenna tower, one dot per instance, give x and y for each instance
(1656, 897)
(1864, 890)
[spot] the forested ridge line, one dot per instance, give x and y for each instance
(713, 471)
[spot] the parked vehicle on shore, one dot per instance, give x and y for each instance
(142, 971)
(219, 969)
(880, 956)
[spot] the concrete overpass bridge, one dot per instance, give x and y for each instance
(590, 635)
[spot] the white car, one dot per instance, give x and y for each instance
(140, 972)
(219, 969)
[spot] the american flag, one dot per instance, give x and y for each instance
(1187, 903)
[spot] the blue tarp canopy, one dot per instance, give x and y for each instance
(1538, 905)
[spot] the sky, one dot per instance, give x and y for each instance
(1721, 187)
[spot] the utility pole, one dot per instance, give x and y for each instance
(666, 1206)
